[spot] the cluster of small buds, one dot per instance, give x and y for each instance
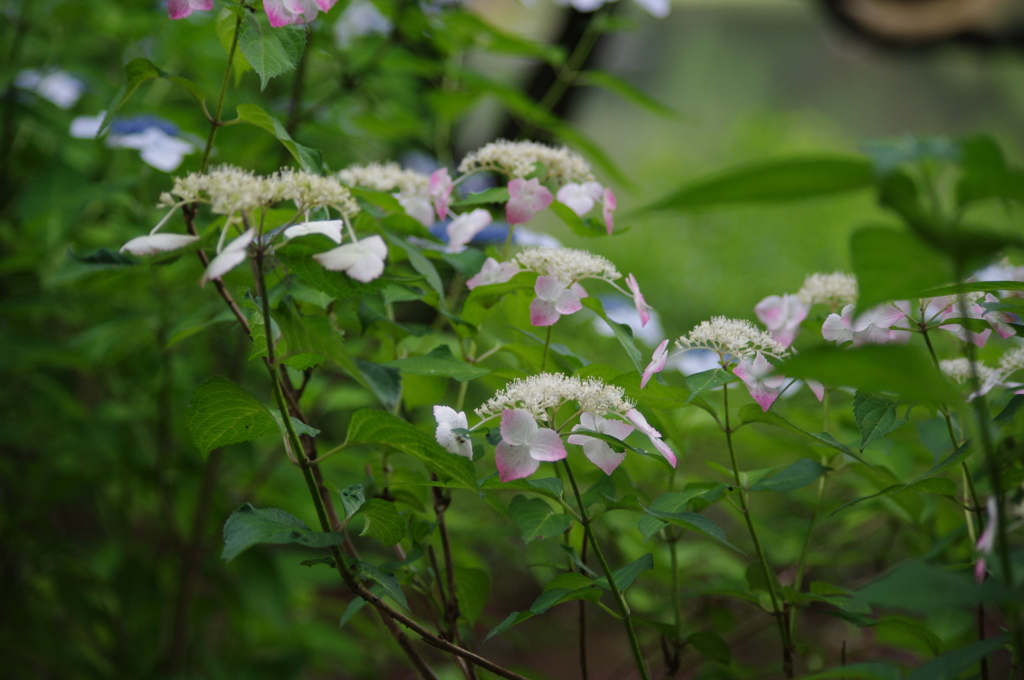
(836, 290)
(310, 192)
(960, 370)
(736, 338)
(385, 177)
(544, 391)
(517, 160)
(568, 265)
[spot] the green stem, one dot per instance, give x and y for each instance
(547, 345)
(508, 242)
(215, 122)
(769, 576)
(634, 644)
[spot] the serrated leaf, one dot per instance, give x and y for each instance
(369, 426)
(383, 521)
(876, 417)
(795, 476)
(221, 413)
(439, 362)
(352, 498)
(270, 51)
(249, 526)
(311, 160)
(536, 519)
(624, 577)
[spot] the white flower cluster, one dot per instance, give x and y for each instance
(568, 265)
(1012, 361)
(736, 337)
(230, 190)
(538, 393)
(835, 290)
(959, 370)
(309, 192)
(518, 159)
(385, 177)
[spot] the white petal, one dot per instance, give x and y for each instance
(155, 243)
(329, 228)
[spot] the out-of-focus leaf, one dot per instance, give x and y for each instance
(383, 521)
(951, 664)
(624, 577)
(472, 587)
(901, 369)
(536, 519)
(546, 486)
(711, 646)
(225, 25)
(103, 258)
(985, 174)
(221, 413)
(485, 197)
(919, 587)
(137, 72)
(795, 476)
(439, 362)
(939, 486)
(622, 88)
(482, 298)
(249, 526)
(623, 333)
(865, 670)
(894, 265)
(421, 264)
(786, 179)
(311, 160)
(752, 413)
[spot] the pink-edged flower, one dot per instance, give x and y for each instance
(987, 541)
(526, 199)
(871, 327)
(581, 198)
(179, 9)
(657, 363)
(1000, 321)
(523, 445)
(465, 227)
(975, 311)
(416, 205)
(329, 228)
(652, 434)
(284, 12)
(608, 210)
(763, 387)
(782, 316)
(157, 243)
(233, 255)
(441, 186)
(493, 272)
(553, 300)
(362, 260)
(448, 419)
(817, 388)
(642, 308)
(598, 451)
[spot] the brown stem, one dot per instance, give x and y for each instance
(451, 602)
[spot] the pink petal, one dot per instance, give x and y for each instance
(835, 329)
(600, 453)
(609, 208)
(580, 291)
(276, 13)
(514, 462)
(547, 446)
(568, 302)
(518, 211)
(763, 395)
(642, 424)
(178, 9)
(665, 450)
(517, 426)
(638, 300)
(817, 388)
(657, 363)
(548, 288)
(543, 313)
(744, 371)
(440, 188)
(770, 311)
(979, 570)
(324, 5)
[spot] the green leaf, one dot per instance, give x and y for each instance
(773, 181)
(876, 417)
(580, 226)
(692, 521)
(711, 645)
(270, 51)
(356, 604)
(352, 498)
(624, 89)
(985, 174)
(907, 626)
(137, 72)
(698, 383)
(225, 28)
(295, 254)
(385, 382)
(618, 445)
(975, 287)
(221, 413)
(249, 526)
(482, 298)
(103, 257)
(918, 587)
(623, 333)
(901, 369)
(795, 476)
(421, 264)
(895, 265)
(865, 670)
(300, 427)
(369, 426)
(387, 581)
(311, 160)
(383, 521)
(485, 197)
(472, 587)
(752, 413)
(951, 664)
(536, 519)
(551, 487)
(511, 620)
(441, 363)
(939, 486)
(624, 577)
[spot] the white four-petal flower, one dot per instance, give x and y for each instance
(598, 451)
(449, 419)
(362, 260)
(524, 445)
